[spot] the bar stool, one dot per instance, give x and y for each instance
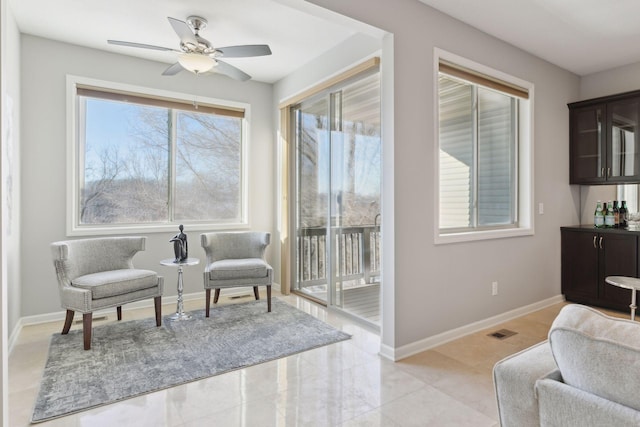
(632, 283)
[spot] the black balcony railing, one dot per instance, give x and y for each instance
(357, 254)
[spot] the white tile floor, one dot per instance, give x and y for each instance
(343, 384)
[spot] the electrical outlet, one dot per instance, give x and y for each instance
(541, 208)
(494, 288)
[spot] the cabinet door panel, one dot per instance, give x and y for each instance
(588, 151)
(579, 265)
(618, 257)
(623, 153)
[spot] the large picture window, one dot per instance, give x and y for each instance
(144, 161)
(481, 147)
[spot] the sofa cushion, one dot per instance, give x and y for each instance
(597, 353)
(564, 406)
(116, 282)
(238, 269)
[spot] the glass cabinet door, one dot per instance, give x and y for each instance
(623, 162)
(588, 158)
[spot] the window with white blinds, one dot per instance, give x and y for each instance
(478, 173)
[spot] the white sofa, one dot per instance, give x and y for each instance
(586, 374)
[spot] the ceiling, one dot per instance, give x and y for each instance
(582, 36)
(295, 35)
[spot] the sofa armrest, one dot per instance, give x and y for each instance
(566, 406)
(515, 378)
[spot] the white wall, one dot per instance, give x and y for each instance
(45, 63)
(610, 82)
(10, 187)
(11, 160)
(439, 288)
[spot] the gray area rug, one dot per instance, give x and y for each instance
(131, 358)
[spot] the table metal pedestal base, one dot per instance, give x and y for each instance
(180, 314)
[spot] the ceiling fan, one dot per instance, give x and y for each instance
(196, 54)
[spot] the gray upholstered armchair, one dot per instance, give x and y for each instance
(98, 273)
(236, 259)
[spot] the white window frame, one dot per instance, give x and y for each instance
(74, 228)
(525, 214)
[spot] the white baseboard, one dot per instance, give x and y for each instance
(59, 316)
(14, 335)
(407, 350)
(386, 351)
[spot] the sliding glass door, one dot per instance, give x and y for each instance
(337, 190)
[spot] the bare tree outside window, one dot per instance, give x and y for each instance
(145, 164)
(208, 184)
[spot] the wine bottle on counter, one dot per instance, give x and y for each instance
(616, 214)
(598, 216)
(609, 220)
(624, 215)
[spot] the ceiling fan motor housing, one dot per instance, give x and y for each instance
(204, 46)
(197, 54)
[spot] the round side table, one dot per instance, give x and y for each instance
(624, 282)
(171, 262)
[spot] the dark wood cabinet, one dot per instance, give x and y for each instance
(605, 140)
(589, 256)
(623, 163)
(580, 263)
(618, 257)
(588, 154)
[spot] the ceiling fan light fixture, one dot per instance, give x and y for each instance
(196, 62)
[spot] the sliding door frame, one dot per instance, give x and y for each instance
(288, 184)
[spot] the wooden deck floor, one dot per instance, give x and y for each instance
(364, 302)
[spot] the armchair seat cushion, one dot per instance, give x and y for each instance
(226, 269)
(107, 284)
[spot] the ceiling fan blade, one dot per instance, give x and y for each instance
(245, 50)
(231, 71)
(142, 45)
(183, 31)
(173, 70)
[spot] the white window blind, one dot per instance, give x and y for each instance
(478, 155)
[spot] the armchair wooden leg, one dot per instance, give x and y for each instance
(86, 329)
(269, 298)
(207, 305)
(256, 293)
(67, 322)
(119, 310)
(216, 296)
(157, 303)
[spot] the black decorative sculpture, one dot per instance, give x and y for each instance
(180, 245)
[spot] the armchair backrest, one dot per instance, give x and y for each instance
(235, 245)
(75, 258)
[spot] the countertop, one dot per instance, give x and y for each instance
(635, 228)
